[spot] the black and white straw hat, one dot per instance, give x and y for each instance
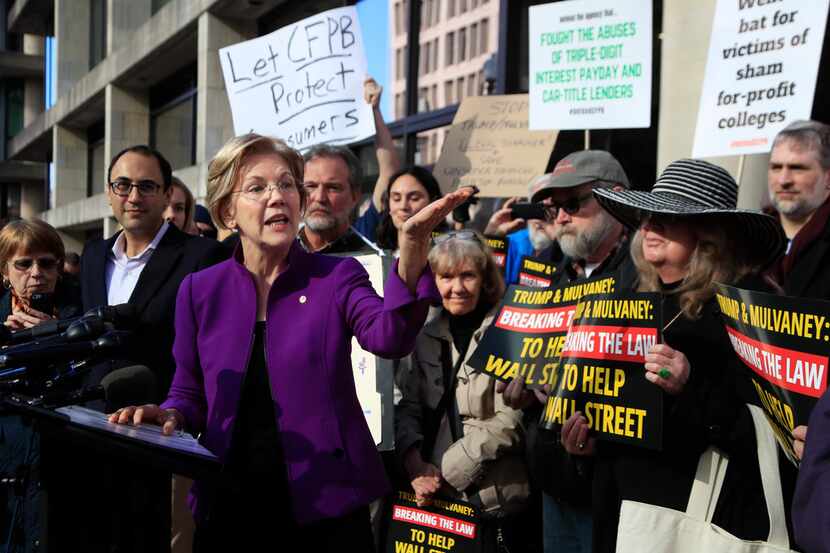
(699, 189)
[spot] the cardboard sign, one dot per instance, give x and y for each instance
(489, 145)
(444, 526)
(536, 272)
(527, 336)
(760, 73)
(784, 343)
(601, 371)
(590, 64)
(498, 245)
(302, 83)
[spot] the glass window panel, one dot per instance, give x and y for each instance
(462, 44)
(485, 35)
(173, 134)
(474, 40)
(450, 49)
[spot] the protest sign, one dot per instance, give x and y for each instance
(590, 64)
(444, 525)
(302, 83)
(601, 370)
(490, 146)
(498, 245)
(760, 73)
(528, 332)
(785, 343)
(536, 272)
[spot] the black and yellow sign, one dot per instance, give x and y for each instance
(498, 244)
(528, 333)
(784, 342)
(444, 526)
(536, 272)
(602, 373)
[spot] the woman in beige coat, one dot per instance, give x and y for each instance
(455, 437)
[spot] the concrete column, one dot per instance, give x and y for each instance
(681, 83)
(214, 124)
(32, 88)
(123, 18)
(127, 122)
(69, 155)
(71, 42)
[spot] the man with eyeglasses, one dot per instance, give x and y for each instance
(145, 262)
(594, 244)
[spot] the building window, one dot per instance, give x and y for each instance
(449, 49)
(425, 57)
(448, 92)
(95, 163)
(450, 8)
(462, 44)
(14, 107)
(158, 4)
(173, 118)
(435, 55)
(400, 108)
(471, 85)
(423, 15)
(484, 43)
(434, 96)
(398, 26)
(436, 12)
(474, 40)
(97, 32)
(473, 4)
(462, 6)
(459, 89)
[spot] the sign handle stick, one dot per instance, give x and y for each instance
(741, 161)
(587, 139)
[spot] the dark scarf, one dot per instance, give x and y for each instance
(462, 327)
(808, 234)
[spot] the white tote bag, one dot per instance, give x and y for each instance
(647, 528)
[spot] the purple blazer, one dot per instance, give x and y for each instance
(314, 309)
(811, 504)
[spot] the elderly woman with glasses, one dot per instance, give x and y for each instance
(454, 435)
(31, 260)
(263, 366)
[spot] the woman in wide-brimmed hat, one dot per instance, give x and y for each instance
(688, 236)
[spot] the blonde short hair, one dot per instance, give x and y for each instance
(22, 236)
(451, 255)
(223, 171)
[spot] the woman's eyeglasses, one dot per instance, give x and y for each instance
(259, 191)
(457, 235)
(571, 206)
(45, 263)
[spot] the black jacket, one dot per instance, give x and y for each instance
(177, 255)
(810, 275)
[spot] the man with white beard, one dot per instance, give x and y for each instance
(799, 187)
(594, 244)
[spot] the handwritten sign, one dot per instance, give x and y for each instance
(590, 64)
(302, 83)
(489, 145)
(760, 73)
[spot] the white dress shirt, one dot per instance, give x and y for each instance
(123, 271)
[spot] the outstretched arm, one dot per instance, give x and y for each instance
(387, 155)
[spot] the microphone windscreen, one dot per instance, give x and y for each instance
(133, 385)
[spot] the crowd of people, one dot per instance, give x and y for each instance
(252, 336)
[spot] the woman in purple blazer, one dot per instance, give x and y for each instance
(263, 366)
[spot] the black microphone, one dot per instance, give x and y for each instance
(43, 354)
(134, 385)
(122, 316)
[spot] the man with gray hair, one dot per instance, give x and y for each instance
(333, 177)
(799, 189)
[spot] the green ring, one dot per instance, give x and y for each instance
(664, 372)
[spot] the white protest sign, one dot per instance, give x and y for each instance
(590, 65)
(364, 364)
(302, 83)
(760, 73)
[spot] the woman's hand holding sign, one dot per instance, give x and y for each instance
(424, 477)
(667, 368)
(575, 437)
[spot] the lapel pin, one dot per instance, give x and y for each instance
(303, 299)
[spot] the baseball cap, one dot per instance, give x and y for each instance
(581, 168)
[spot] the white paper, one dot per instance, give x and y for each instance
(364, 364)
(760, 73)
(302, 83)
(590, 64)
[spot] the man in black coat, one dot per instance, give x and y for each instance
(799, 189)
(145, 263)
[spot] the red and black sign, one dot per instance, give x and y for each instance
(498, 244)
(444, 525)
(528, 333)
(601, 372)
(784, 343)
